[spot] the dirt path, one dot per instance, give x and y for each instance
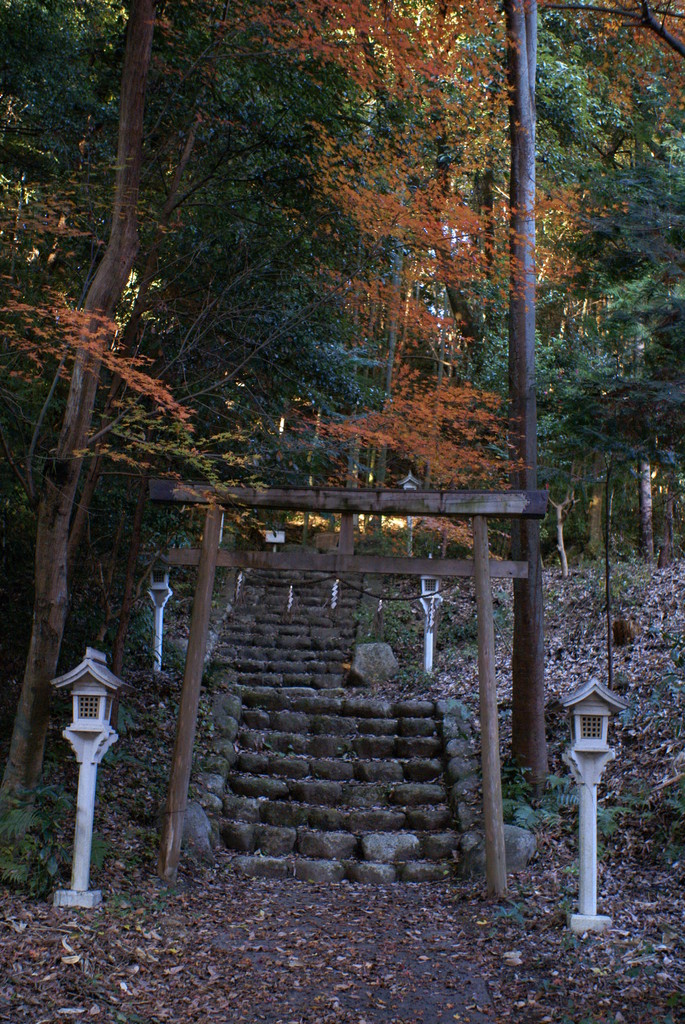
(222, 949)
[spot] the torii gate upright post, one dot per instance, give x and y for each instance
(181, 764)
(495, 855)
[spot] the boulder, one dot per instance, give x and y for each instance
(519, 846)
(197, 833)
(373, 663)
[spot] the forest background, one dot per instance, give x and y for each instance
(281, 252)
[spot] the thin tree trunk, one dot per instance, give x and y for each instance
(594, 516)
(666, 548)
(646, 522)
(130, 579)
(607, 576)
(529, 744)
(562, 509)
(126, 345)
(55, 507)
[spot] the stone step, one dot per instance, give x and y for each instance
(336, 724)
(334, 792)
(422, 817)
(316, 680)
(322, 871)
(378, 847)
(324, 745)
(296, 767)
(338, 701)
(251, 663)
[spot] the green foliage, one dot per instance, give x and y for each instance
(520, 805)
(32, 850)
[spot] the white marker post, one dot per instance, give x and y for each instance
(589, 708)
(93, 687)
(159, 592)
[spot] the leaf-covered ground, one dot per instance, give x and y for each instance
(220, 948)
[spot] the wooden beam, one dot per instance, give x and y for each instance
(495, 856)
(346, 538)
(177, 797)
(304, 561)
(370, 501)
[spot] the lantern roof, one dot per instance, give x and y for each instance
(593, 688)
(409, 482)
(93, 668)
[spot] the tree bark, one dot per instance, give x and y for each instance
(595, 529)
(529, 745)
(666, 547)
(129, 582)
(56, 502)
(562, 509)
(646, 522)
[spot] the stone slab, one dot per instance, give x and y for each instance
(378, 771)
(376, 820)
(370, 874)
(71, 898)
(424, 871)
(319, 871)
(412, 793)
(326, 845)
(263, 867)
(390, 847)
(275, 841)
(286, 815)
(321, 792)
(581, 923)
(238, 835)
(422, 770)
(240, 808)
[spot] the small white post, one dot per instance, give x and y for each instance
(159, 592)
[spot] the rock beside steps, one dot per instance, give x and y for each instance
(329, 785)
(278, 638)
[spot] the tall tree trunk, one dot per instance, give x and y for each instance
(55, 507)
(646, 523)
(529, 745)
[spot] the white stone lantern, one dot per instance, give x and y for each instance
(410, 483)
(90, 734)
(159, 593)
(590, 707)
(431, 600)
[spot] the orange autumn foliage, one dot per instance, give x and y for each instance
(448, 430)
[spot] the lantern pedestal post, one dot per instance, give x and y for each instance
(159, 593)
(586, 769)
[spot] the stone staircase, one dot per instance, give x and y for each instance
(275, 639)
(320, 781)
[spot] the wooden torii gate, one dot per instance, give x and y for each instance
(476, 505)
